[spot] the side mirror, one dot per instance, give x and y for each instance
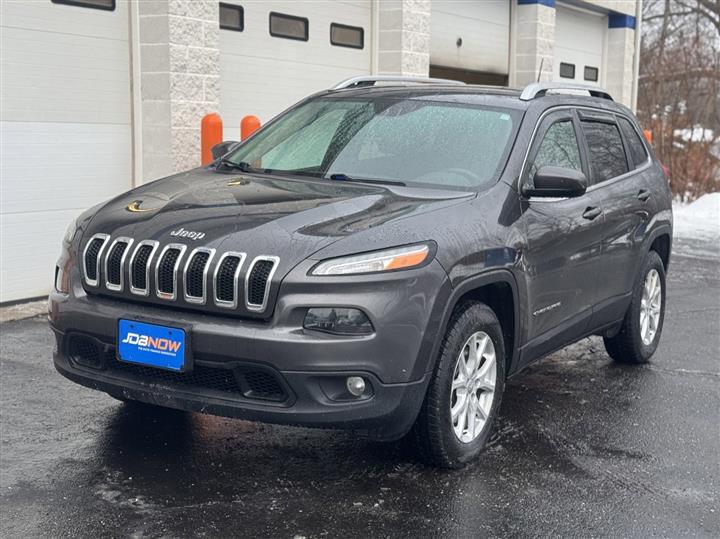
(557, 182)
(224, 147)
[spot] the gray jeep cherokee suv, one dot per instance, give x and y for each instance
(380, 257)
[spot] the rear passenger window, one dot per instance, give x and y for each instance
(607, 155)
(638, 155)
(559, 148)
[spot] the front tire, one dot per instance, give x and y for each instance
(639, 334)
(465, 391)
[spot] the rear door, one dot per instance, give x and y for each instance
(617, 171)
(564, 238)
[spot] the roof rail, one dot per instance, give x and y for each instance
(370, 80)
(539, 89)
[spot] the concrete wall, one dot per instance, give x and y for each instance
(179, 60)
(404, 37)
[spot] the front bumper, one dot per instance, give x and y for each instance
(309, 366)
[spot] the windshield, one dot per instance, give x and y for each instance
(409, 141)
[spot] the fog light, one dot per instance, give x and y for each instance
(338, 320)
(355, 385)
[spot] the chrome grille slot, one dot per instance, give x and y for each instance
(140, 267)
(257, 282)
(225, 279)
(196, 270)
(166, 271)
(115, 263)
(91, 258)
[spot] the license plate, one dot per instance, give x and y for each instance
(151, 345)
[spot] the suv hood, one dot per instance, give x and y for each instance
(260, 215)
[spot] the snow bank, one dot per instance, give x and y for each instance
(699, 220)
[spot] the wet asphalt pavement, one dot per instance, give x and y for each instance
(583, 447)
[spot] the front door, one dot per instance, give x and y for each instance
(564, 241)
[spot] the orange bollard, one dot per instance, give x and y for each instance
(211, 133)
(648, 135)
(248, 125)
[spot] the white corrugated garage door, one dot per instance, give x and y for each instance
(579, 45)
(263, 75)
(65, 129)
(470, 36)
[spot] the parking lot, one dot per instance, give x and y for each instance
(583, 447)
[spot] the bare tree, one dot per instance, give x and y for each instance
(678, 98)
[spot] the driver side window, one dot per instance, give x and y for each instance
(559, 148)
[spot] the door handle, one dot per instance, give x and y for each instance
(592, 212)
(643, 195)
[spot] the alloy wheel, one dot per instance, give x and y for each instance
(650, 306)
(473, 386)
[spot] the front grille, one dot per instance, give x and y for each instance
(195, 275)
(92, 258)
(248, 381)
(226, 280)
(177, 276)
(167, 271)
(257, 281)
(114, 263)
(139, 267)
(200, 376)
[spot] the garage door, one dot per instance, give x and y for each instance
(65, 127)
(579, 45)
(263, 74)
(470, 41)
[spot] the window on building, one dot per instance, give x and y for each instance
(559, 148)
(638, 154)
(107, 5)
(567, 71)
(347, 36)
(289, 26)
(232, 17)
(591, 73)
(607, 155)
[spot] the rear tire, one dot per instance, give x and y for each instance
(463, 382)
(640, 331)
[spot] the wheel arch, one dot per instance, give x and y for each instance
(496, 289)
(661, 242)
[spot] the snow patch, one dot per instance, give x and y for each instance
(698, 220)
(696, 230)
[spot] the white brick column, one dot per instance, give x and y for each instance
(179, 80)
(534, 39)
(620, 51)
(404, 37)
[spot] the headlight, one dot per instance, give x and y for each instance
(70, 231)
(388, 260)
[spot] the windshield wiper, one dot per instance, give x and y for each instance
(242, 166)
(346, 178)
